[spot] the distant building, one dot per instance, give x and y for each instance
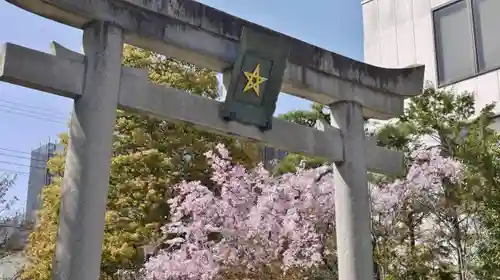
(271, 155)
(39, 177)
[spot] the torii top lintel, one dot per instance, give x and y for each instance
(207, 37)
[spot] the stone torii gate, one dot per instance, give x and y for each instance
(204, 36)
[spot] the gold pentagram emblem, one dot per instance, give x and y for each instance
(254, 79)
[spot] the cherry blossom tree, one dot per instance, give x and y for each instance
(248, 224)
(405, 214)
(248, 221)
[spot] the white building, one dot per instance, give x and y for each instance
(457, 40)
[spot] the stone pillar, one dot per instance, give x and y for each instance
(352, 202)
(85, 188)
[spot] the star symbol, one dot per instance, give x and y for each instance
(254, 80)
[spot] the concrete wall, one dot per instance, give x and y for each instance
(15, 239)
(10, 266)
(398, 33)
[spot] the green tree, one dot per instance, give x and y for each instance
(307, 118)
(149, 156)
(9, 219)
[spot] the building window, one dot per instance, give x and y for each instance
(467, 43)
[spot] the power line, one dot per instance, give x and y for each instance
(39, 111)
(21, 157)
(23, 152)
(23, 165)
(14, 171)
(33, 117)
(15, 151)
(32, 106)
(45, 114)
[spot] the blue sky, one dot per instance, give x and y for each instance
(30, 118)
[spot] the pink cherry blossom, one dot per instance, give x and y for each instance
(253, 220)
(423, 183)
(419, 191)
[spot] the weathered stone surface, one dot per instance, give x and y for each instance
(41, 71)
(178, 106)
(352, 198)
(138, 95)
(86, 176)
(205, 36)
(379, 159)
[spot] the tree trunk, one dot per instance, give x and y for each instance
(457, 236)
(376, 267)
(413, 242)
